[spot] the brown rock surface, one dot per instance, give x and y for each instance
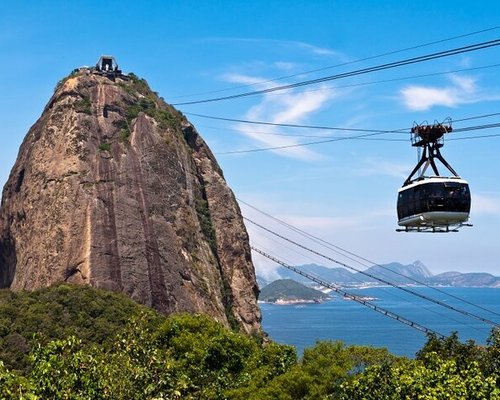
(114, 188)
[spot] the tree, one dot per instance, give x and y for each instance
(432, 378)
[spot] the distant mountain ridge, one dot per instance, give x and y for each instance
(394, 272)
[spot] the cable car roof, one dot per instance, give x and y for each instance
(434, 179)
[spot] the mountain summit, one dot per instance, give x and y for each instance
(114, 188)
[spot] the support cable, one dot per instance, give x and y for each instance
(403, 130)
(320, 127)
(363, 137)
(394, 294)
(357, 299)
(339, 249)
(288, 146)
(395, 64)
(404, 289)
(344, 63)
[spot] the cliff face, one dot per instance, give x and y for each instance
(114, 188)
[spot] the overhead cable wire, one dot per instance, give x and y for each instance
(398, 131)
(320, 127)
(337, 139)
(392, 294)
(267, 133)
(476, 117)
(405, 289)
(386, 66)
(404, 78)
(405, 140)
(477, 127)
(477, 137)
(344, 63)
(339, 249)
(358, 299)
(288, 146)
(325, 127)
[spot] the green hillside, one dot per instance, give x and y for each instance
(290, 290)
(78, 343)
(89, 314)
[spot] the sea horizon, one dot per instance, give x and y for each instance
(301, 325)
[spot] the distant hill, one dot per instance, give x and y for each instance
(288, 290)
(474, 279)
(340, 275)
(261, 282)
(394, 272)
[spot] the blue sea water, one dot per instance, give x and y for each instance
(353, 323)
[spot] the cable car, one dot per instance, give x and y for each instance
(108, 67)
(432, 203)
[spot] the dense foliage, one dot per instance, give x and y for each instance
(92, 344)
(91, 315)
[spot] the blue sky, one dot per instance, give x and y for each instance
(343, 191)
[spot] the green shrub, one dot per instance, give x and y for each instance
(105, 147)
(84, 106)
(206, 225)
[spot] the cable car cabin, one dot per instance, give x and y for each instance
(107, 66)
(434, 203)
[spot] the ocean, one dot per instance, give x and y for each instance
(302, 325)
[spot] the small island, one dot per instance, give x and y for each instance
(288, 291)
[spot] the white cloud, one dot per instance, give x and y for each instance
(466, 84)
(422, 98)
(297, 106)
(243, 79)
(483, 205)
(320, 51)
(375, 167)
(461, 90)
(287, 107)
(284, 66)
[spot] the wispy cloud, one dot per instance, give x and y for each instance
(374, 167)
(284, 65)
(461, 90)
(233, 77)
(320, 51)
(484, 205)
(287, 107)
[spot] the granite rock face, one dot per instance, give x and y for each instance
(114, 188)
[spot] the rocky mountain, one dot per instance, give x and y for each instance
(288, 290)
(114, 188)
(473, 279)
(395, 273)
